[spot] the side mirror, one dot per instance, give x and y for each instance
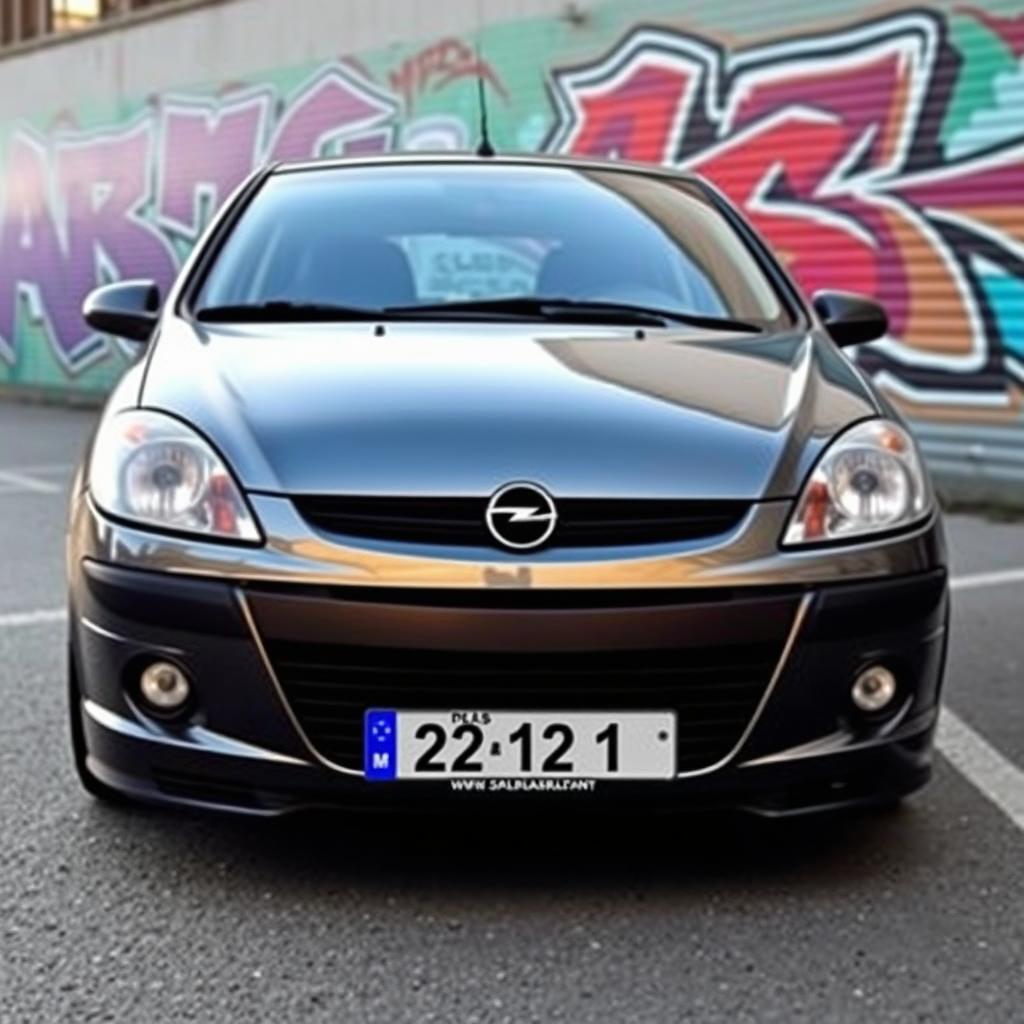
(851, 319)
(129, 309)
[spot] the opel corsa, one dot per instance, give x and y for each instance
(512, 481)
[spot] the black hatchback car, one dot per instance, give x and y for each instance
(501, 481)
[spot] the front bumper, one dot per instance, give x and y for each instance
(252, 747)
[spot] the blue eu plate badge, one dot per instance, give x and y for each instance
(380, 745)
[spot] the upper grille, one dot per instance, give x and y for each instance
(582, 522)
(715, 691)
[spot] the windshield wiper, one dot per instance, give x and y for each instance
(283, 311)
(553, 310)
(572, 310)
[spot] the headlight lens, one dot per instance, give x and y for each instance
(153, 469)
(869, 480)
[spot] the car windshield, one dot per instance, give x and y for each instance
(409, 236)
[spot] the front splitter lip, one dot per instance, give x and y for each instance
(120, 745)
(871, 771)
(294, 553)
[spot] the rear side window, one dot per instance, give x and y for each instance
(404, 235)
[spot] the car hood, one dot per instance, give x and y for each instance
(443, 409)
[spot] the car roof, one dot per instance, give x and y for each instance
(504, 160)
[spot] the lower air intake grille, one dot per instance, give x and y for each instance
(714, 690)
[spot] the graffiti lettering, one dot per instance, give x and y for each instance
(75, 206)
(831, 145)
(876, 156)
(103, 183)
(333, 107)
(208, 147)
(28, 241)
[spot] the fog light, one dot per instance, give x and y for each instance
(874, 689)
(164, 686)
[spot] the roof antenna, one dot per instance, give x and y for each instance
(484, 148)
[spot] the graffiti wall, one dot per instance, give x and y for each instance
(883, 154)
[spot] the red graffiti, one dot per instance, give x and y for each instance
(830, 144)
(437, 66)
(836, 126)
(1008, 28)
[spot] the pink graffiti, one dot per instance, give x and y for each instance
(76, 205)
(29, 246)
(333, 106)
(209, 146)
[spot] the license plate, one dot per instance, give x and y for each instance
(428, 745)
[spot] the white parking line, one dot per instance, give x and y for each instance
(996, 578)
(41, 616)
(983, 766)
(13, 482)
(39, 468)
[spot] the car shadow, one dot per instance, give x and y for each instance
(488, 855)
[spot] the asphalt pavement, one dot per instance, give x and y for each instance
(147, 916)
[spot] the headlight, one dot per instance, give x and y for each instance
(152, 469)
(869, 480)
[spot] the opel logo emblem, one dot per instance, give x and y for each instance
(521, 516)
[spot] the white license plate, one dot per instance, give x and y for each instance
(519, 744)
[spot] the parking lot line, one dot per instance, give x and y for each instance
(36, 468)
(15, 481)
(996, 578)
(983, 766)
(9, 620)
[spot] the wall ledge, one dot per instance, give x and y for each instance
(121, 23)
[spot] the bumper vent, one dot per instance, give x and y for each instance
(715, 691)
(582, 522)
